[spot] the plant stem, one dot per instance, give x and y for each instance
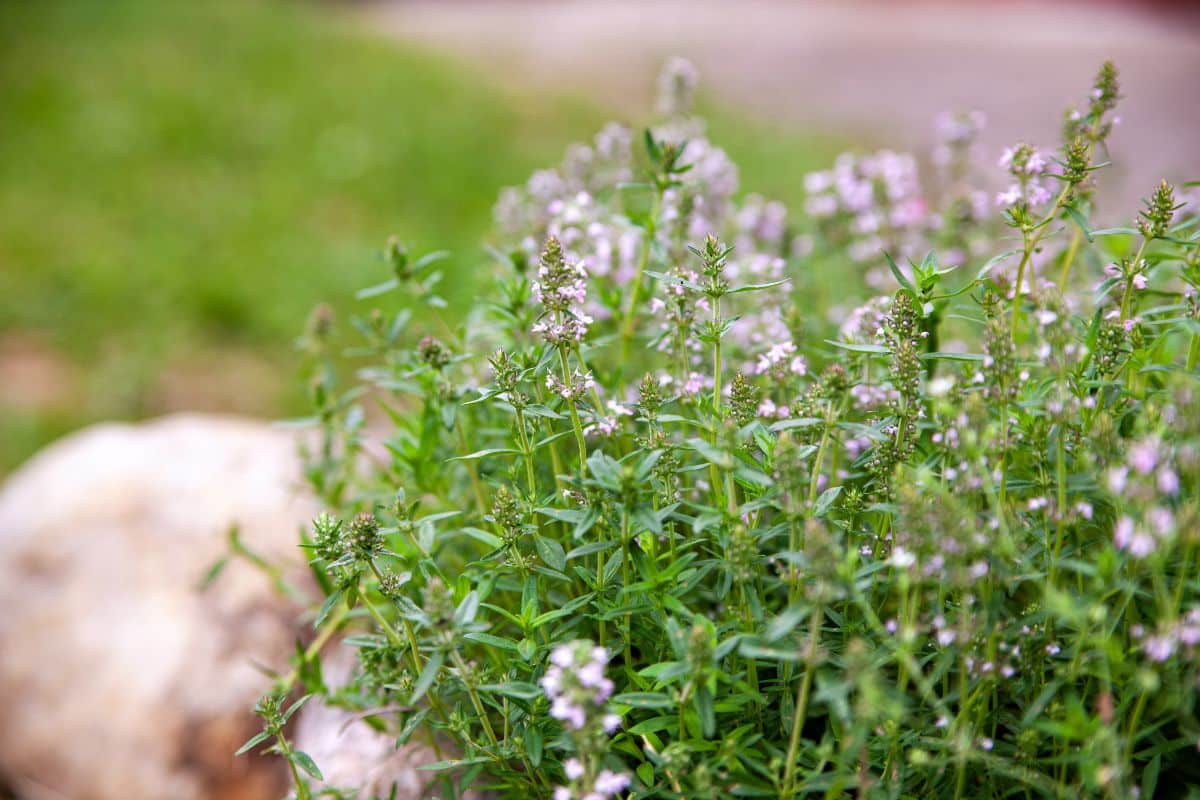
(801, 711)
(527, 452)
(625, 539)
(716, 395)
(1068, 259)
(328, 628)
(816, 470)
(573, 406)
(1031, 243)
(1060, 471)
(1128, 293)
(465, 673)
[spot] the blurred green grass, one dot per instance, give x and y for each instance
(181, 182)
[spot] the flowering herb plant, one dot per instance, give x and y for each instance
(648, 525)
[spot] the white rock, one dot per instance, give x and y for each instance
(122, 678)
(119, 677)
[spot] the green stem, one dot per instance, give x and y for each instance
(801, 712)
(329, 627)
(1127, 295)
(716, 395)
(625, 539)
(1060, 478)
(1068, 259)
(571, 404)
(465, 673)
(816, 470)
(302, 790)
(1031, 244)
(527, 452)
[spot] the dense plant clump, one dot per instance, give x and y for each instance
(649, 525)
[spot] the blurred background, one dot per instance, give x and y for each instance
(180, 182)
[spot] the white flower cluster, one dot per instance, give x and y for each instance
(578, 692)
(580, 383)
(880, 196)
(1028, 167)
(606, 784)
(561, 288)
(577, 688)
(1148, 474)
(1170, 637)
(580, 204)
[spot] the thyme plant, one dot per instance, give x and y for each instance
(647, 524)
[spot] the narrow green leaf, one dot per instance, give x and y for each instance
(871, 349)
(304, 761)
(253, 742)
(551, 552)
(428, 675)
(643, 700)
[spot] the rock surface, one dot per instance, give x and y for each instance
(351, 753)
(120, 676)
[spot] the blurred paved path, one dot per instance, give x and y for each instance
(878, 71)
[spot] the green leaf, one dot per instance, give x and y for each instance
(410, 727)
(428, 675)
(486, 537)
(589, 548)
(304, 761)
(442, 766)
(754, 287)
(605, 470)
(1081, 221)
(294, 707)
(675, 280)
(826, 501)
(492, 641)
(872, 349)
(492, 451)
(533, 745)
(644, 700)
(653, 725)
(430, 258)
(467, 609)
(992, 262)
(952, 356)
(900, 276)
(756, 651)
(702, 701)
(515, 689)
(551, 552)
(569, 515)
(327, 607)
(377, 289)
(798, 422)
(652, 148)
(213, 572)
(253, 742)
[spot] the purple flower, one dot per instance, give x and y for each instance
(609, 782)
(1143, 457)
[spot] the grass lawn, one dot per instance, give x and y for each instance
(181, 182)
